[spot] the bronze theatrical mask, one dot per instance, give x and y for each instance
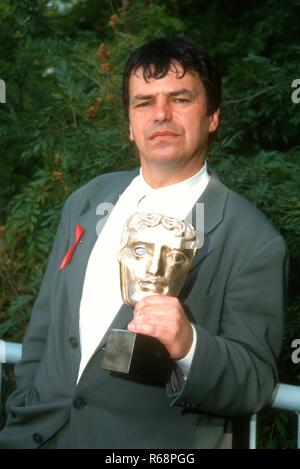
(155, 256)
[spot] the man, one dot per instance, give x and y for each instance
(223, 332)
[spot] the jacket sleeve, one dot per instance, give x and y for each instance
(235, 372)
(36, 336)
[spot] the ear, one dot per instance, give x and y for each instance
(214, 121)
(131, 136)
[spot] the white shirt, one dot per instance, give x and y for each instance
(101, 296)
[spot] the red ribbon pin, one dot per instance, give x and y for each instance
(67, 259)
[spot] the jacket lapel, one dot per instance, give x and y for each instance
(89, 219)
(120, 321)
(213, 199)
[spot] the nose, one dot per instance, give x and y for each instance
(162, 110)
(155, 263)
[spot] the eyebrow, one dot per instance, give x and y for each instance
(172, 94)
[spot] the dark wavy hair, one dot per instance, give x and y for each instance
(156, 57)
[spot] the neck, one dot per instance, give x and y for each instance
(162, 174)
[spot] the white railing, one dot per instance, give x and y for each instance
(285, 396)
(10, 352)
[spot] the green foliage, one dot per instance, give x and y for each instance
(277, 430)
(63, 124)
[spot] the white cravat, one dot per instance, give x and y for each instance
(101, 296)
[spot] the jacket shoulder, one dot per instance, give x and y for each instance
(100, 183)
(245, 217)
(239, 214)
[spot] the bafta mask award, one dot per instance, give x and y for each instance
(155, 256)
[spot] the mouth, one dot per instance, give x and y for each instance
(163, 134)
(153, 287)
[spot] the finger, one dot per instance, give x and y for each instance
(156, 300)
(142, 328)
(152, 329)
(158, 325)
(156, 313)
(148, 300)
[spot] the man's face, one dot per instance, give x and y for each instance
(153, 262)
(168, 117)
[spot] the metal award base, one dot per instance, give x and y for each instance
(136, 355)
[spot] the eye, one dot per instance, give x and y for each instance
(140, 251)
(143, 104)
(177, 257)
(181, 100)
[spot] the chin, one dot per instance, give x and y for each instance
(141, 294)
(165, 158)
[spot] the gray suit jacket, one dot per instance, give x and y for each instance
(233, 296)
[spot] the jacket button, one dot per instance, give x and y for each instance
(74, 342)
(79, 403)
(37, 437)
